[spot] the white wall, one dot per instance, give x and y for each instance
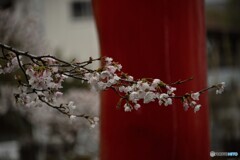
(74, 37)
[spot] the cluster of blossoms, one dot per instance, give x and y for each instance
(43, 84)
(105, 77)
(145, 90)
(130, 90)
(44, 75)
(10, 66)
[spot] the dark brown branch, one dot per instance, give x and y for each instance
(181, 81)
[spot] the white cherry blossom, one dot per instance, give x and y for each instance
(165, 99)
(105, 74)
(71, 105)
(125, 89)
(168, 102)
(127, 108)
(58, 94)
(220, 88)
(130, 78)
(185, 105)
(11, 66)
(192, 103)
(133, 96)
(111, 69)
(197, 108)
(108, 60)
(72, 118)
(119, 67)
(101, 85)
(195, 96)
(149, 97)
(156, 82)
(170, 89)
(94, 121)
(137, 106)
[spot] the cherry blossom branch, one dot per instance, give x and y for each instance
(43, 77)
(182, 81)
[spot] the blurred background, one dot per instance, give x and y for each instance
(223, 44)
(66, 28)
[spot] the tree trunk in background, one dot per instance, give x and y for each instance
(157, 38)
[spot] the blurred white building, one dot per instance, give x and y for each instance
(68, 27)
(58, 26)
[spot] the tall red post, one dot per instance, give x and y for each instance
(163, 39)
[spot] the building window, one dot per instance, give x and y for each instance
(81, 9)
(6, 4)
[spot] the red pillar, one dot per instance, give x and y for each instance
(157, 38)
